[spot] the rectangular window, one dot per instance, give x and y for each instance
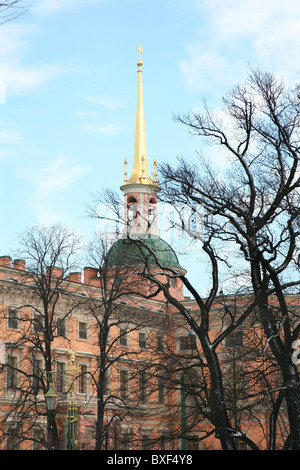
(234, 339)
(90, 432)
(143, 386)
(161, 388)
(13, 438)
(124, 383)
(187, 343)
(82, 330)
(83, 379)
(191, 385)
(38, 324)
(13, 319)
(37, 374)
(12, 376)
(61, 327)
(160, 343)
(106, 384)
(142, 340)
(60, 377)
(123, 337)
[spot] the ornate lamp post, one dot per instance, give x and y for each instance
(72, 411)
(50, 398)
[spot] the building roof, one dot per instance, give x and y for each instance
(128, 251)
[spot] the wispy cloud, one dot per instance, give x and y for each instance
(11, 141)
(104, 101)
(19, 79)
(109, 129)
(95, 117)
(240, 35)
(51, 183)
(9, 136)
(15, 77)
(46, 7)
(82, 114)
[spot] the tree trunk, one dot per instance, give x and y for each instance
(292, 397)
(219, 415)
(52, 430)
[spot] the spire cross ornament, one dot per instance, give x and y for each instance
(140, 51)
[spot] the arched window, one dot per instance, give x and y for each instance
(152, 210)
(132, 208)
(131, 200)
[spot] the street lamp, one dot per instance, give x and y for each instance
(50, 398)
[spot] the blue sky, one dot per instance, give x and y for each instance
(68, 87)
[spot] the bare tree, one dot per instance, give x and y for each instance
(11, 9)
(33, 305)
(254, 206)
(120, 380)
(200, 323)
(252, 379)
(148, 267)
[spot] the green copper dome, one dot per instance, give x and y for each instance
(128, 251)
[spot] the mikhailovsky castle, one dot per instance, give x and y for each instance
(100, 358)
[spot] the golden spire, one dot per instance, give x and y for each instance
(140, 173)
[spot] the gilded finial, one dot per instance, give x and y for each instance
(155, 172)
(125, 172)
(73, 355)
